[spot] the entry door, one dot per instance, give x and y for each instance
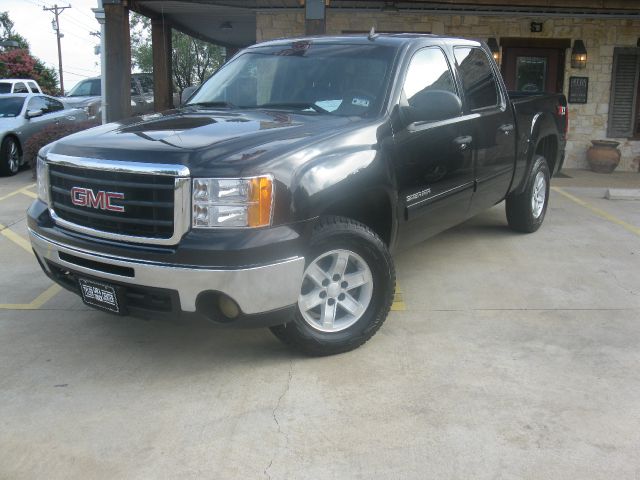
(533, 70)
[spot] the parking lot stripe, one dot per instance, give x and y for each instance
(29, 193)
(398, 304)
(601, 213)
(20, 190)
(15, 238)
(38, 302)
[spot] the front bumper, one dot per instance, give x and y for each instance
(256, 289)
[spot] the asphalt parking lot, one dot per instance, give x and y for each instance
(506, 356)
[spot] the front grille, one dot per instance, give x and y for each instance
(148, 201)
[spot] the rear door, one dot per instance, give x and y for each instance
(493, 126)
(433, 160)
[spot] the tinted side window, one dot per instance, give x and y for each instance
(427, 71)
(34, 87)
(479, 83)
(54, 105)
(38, 103)
(20, 88)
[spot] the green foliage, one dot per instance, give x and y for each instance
(7, 32)
(193, 60)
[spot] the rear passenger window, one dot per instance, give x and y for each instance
(20, 88)
(427, 71)
(53, 105)
(478, 80)
(34, 87)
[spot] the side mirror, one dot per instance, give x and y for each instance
(33, 113)
(186, 93)
(432, 106)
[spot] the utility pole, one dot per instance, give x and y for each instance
(56, 27)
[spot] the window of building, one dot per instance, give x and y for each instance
(478, 79)
(624, 104)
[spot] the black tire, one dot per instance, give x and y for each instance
(333, 234)
(10, 157)
(523, 215)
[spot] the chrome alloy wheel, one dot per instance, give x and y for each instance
(14, 157)
(539, 195)
(336, 290)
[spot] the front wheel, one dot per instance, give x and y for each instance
(346, 290)
(526, 210)
(9, 156)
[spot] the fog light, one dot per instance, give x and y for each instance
(228, 307)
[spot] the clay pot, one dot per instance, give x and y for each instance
(603, 156)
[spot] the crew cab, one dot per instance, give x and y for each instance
(19, 85)
(276, 196)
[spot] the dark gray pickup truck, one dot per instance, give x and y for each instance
(275, 196)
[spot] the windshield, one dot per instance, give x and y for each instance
(5, 87)
(336, 79)
(11, 106)
(86, 88)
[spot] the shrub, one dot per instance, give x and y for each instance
(51, 134)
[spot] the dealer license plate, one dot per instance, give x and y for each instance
(99, 295)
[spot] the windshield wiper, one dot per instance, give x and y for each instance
(294, 106)
(219, 104)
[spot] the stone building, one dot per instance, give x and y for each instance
(537, 43)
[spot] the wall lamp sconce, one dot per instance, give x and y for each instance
(578, 55)
(492, 43)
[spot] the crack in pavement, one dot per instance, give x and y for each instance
(275, 419)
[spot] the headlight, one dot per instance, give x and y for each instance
(42, 174)
(232, 202)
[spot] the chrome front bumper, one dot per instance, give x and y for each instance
(255, 290)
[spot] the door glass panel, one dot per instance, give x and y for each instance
(531, 74)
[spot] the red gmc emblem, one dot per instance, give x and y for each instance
(85, 197)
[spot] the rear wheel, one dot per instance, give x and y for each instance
(9, 156)
(526, 210)
(346, 291)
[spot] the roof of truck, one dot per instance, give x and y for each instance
(390, 39)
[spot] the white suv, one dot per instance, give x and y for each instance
(19, 85)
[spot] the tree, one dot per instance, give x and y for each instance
(19, 63)
(7, 32)
(193, 60)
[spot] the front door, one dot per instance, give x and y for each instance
(532, 69)
(433, 160)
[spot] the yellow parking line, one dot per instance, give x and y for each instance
(16, 192)
(15, 238)
(398, 304)
(598, 211)
(29, 193)
(39, 301)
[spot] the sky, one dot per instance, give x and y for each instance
(78, 58)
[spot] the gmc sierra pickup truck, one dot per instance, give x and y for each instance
(276, 194)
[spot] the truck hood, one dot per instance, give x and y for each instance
(224, 142)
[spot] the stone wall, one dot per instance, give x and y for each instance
(587, 122)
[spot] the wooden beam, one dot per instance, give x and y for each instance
(117, 79)
(162, 68)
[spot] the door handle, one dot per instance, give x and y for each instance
(463, 142)
(507, 128)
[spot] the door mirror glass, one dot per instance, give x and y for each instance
(33, 113)
(432, 106)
